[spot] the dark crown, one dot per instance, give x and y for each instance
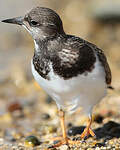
(41, 16)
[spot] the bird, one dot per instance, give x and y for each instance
(73, 71)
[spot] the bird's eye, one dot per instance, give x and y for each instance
(33, 23)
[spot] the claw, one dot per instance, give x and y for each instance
(63, 142)
(88, 131)
(64, 139)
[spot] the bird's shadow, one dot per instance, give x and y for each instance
(109, 130)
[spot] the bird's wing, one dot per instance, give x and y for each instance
(78, 56)
(102, 58)
(104, 62)
(74, 58)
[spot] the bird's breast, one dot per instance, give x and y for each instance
(90, 86)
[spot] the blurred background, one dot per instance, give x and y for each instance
(21, 99)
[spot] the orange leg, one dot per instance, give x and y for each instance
(62, 122)
(64, 139)
(88, 131)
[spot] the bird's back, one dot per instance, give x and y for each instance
(77, 56)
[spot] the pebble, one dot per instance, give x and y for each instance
(64, 147)
(56, 142)
(76, 21)
(49, 129)
(14, 106)
(75, 130)
(9, 135)
(99, 144)
(98, 118)
(115, 131)
(32, 141)
(97, 148)
(16, 109)
(69, 125)
(45, 116)
(111, 124)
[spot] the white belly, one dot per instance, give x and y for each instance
(84, 91)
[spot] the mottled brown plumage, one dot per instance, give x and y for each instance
(103, 60)
(74, 58)
(74, 72)
(70, 57)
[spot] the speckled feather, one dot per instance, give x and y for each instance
(71, 70)
(103, 60)
(72, 57)
(69, 55)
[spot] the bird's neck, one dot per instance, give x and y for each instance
(43, 45)
(40, 45)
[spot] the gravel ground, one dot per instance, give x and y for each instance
(28, 117)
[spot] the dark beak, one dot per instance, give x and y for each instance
(18, 20)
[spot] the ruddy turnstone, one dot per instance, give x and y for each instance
(73, 71)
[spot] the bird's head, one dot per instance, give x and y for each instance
(40, 22)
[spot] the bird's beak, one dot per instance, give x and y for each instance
(17, 20)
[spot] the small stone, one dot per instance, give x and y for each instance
(99, 144)
(50, 129)
(75, 130)
(56, 142)
(98, 118)
(115, 131)
(64, 147)
(97, 148)
(69, 125)
(14, 147)
(32, 141)
(14, 106)
(9, 135)
(16, 109)
(18, 135)
(111, 124)
(45, 116)
(111, 142)
(51, 147)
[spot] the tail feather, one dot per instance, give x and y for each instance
(110, 87)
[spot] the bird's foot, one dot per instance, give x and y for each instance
(87, 131)
(61, 141)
